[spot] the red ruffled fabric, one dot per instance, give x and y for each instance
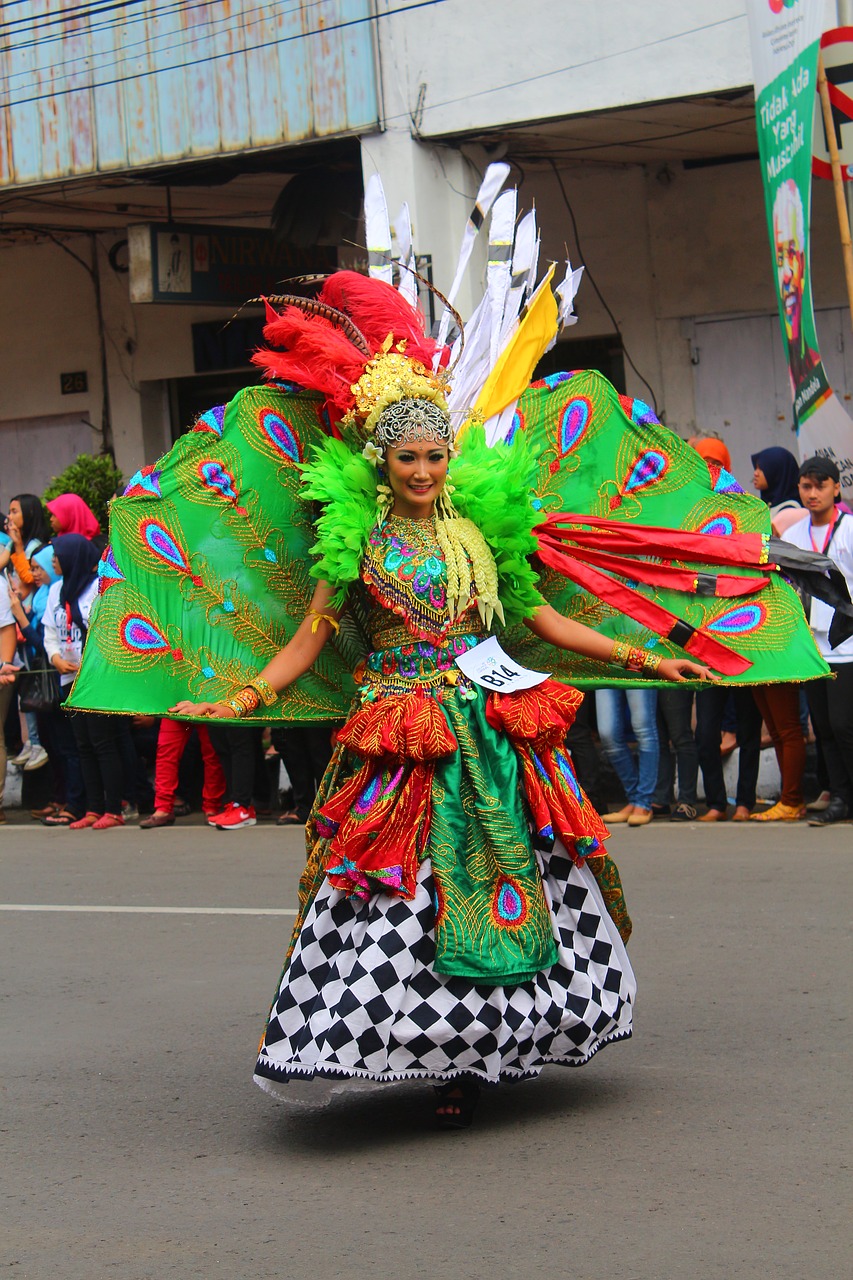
(537, 721)
(379, 820)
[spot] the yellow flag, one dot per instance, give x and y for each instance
(514, 369)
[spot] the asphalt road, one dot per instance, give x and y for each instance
(134, 1144)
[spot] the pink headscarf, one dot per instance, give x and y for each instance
(74, 515)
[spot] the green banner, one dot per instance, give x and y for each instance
(785, 38)
(785, 111)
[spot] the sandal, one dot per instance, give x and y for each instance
(462, 1095)
(62, 819)
(108, 820)
(47, 812)
(290, 819)
(88, 820)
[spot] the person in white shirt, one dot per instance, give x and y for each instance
(7, 676)
(830, 532)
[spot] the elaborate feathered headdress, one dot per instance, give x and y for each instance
(362, 345)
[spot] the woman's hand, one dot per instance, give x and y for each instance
(210, 710)
(63, 666)
(15, 534)
(19, 613)
(8, 673)
(678, 669)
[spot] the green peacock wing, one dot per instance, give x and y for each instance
(207, 574)
(605, 455)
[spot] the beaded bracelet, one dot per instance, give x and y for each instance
(244, 702)
(264, 690)
(620, 653)
(640, 660)
(634, 661)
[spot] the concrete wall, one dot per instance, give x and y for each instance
(50, 326)
(668, 246)
(551, 58)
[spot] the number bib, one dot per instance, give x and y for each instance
(488, 666)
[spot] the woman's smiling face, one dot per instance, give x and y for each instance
(417, 473)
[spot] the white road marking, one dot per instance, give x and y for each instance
(152, 911)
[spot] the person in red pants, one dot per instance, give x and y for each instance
(171, 743)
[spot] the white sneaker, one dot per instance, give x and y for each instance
(37, 759)
(23, 755)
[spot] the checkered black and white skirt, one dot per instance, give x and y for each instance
(361, 998)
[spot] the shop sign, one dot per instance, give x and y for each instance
(217, 265)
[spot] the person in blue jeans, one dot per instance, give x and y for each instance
(615, 710)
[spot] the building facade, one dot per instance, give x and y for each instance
(160, 165)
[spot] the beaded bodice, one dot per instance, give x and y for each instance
(413, 641)
(406, 577)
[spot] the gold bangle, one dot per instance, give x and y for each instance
(620, 653)
(264, 690)
(322, 617)
(651, 662)
(635, 660)
(244, 702)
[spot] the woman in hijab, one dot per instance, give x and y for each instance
(775, 476)
(66, 622)
(70, 514)
(27, 529)
(713, 449)
(776, 479)
(41, 745)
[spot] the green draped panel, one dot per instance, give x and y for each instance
(207, 574)
(606, 455)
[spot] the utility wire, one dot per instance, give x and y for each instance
(230, 53)
(79, 10)
(158, 14)
(403, 115)
(599, 294)
(196, 35)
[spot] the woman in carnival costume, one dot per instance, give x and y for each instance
(459, 918)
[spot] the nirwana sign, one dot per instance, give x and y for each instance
(172, 262)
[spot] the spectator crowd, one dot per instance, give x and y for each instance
(101, 771)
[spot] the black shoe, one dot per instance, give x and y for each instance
(455, 1103)
(684, 812)
(835, 811)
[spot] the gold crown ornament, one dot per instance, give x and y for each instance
(398, 399)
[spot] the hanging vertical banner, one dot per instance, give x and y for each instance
(785, 40)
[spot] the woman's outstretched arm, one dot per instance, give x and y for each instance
(291, 662)
(564, 633)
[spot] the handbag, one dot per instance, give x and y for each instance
(38, 690)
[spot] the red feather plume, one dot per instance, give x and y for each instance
(378, 309)
(317, 353)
